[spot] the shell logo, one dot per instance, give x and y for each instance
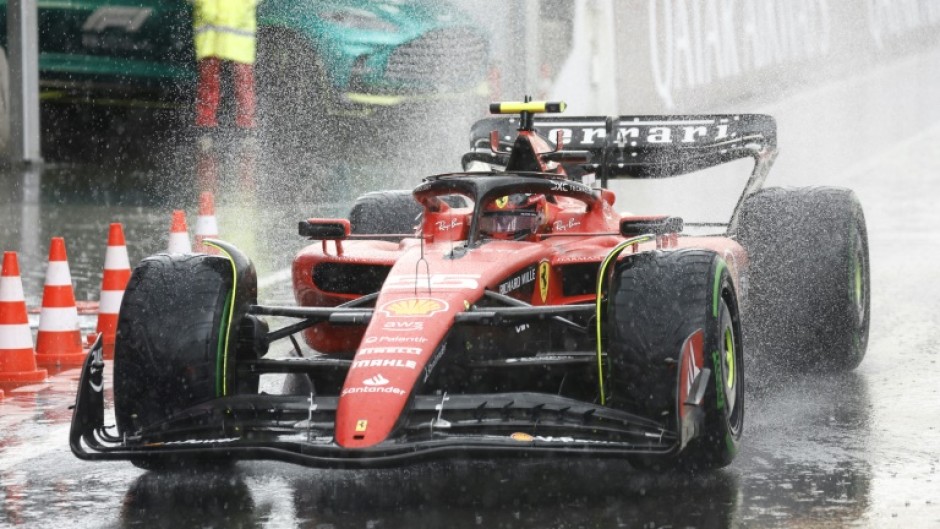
(420, 307)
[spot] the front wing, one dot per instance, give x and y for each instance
(299, 429)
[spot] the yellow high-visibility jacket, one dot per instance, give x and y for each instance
(225, 29)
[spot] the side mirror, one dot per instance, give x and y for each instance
(657, 225)
(324, 229)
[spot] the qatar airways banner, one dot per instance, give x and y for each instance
(689, 55)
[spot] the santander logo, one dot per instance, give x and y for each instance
(377, 380)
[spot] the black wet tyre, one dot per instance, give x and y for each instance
(169, 350)
(385, 212)
(657, 301)
(808, 303)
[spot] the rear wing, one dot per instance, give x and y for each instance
(636, 146)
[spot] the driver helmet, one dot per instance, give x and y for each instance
(513, 216)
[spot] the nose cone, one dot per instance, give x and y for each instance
(402, 338)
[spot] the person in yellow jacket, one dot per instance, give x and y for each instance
(224, 30)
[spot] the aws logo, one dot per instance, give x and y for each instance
(415, 307)
(404, 326)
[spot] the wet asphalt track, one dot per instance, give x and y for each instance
(853, 450)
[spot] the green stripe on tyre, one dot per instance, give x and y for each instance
(715, 289)
(220, 348)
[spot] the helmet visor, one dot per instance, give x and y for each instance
(508, 222)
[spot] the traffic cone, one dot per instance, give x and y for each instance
(179, 234)
(117, 271)
(206, 225)
(17, 360)
(59, 340)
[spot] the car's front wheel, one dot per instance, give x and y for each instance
(659, 303)
(181, 333)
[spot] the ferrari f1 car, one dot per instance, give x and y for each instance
(510, 311)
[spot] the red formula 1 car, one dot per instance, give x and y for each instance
(511, 311)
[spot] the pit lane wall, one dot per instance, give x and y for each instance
(653, 56)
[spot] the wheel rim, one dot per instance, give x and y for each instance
(730, 368)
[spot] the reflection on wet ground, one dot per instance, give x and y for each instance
(463, 495)
(810, 459)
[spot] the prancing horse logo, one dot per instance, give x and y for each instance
(544, 274)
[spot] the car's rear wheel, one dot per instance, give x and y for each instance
(657, 302)
(181, 332)
(809, 301)
(385, 212)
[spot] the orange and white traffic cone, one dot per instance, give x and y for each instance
(17, 359)
(179, 234)
(117, 271)
(59, 340)
(206, 225)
